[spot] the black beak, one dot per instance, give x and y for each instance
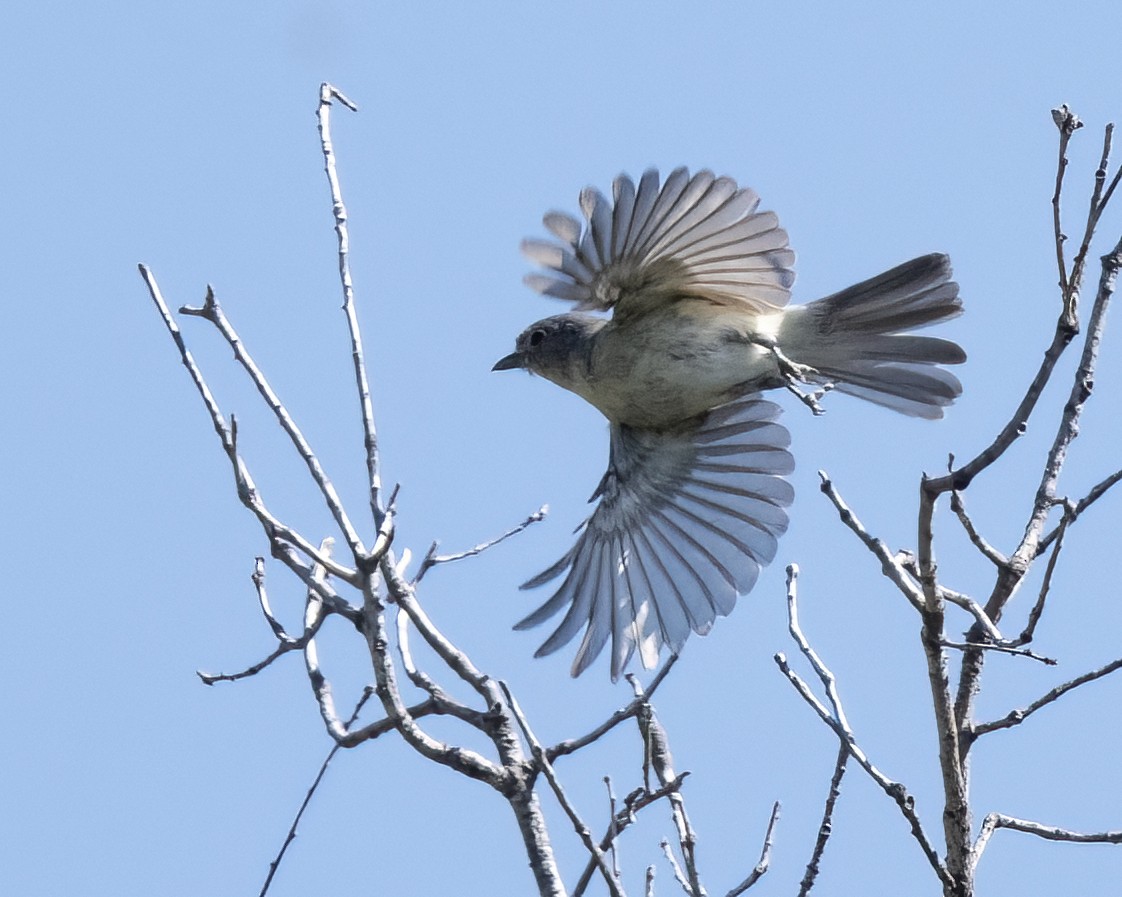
(510, 362)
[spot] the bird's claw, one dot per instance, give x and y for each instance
(793, 374)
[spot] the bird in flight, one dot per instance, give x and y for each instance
(696, 282)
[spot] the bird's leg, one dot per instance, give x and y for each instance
(810, 399)
(793, 373)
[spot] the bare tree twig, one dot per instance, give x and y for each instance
(248, 494)
(286, 642)
(956, 796)
(976, 538)
(463, 760)
(656, 746)
(679, 875)
(313, 618)
(404, 596)
(286, 553)
(1029, 631)
(572, 745)
(613, 846)
(212, 312)
(1009, 579)
(1016, 717)
(836, 720)
(975, 610)
(622, 820)
(327, 94)
(1068, 122)
(994, 821)
(1001, 649)
(431, 559)
(764, 861)
(291, 836)
(826, 827)
(821, 670)
(1094, 212)
(258, 579)
(445, 703)
(895, 790)
(547, 770)
(1098, 491)
(1066, 327)
(890, 565)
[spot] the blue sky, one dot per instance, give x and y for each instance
(181, 135)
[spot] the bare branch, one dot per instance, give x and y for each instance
(291, 836)
(1068, 122)
(976, 538)
(258, 579)
(623, 819)
(447, 704)
(1029, 631)
(404, 596)
(657, 756)
(890, 565)
(836, 721)
(382, 726)
(826, 827)
(995, 821)
(974, 609)
(286, 554)
(573, 745)
(1016, 717)
(1094, 212)
(313, 618)
(467, 762)
(999, 648)
(227, 434)
(1073, 409)
(613, 846)
(1009, 579)
(547, 770)
(764, 861)
(431, 559)
(1097, 492)
(932, 635)
(895, 790)
(327, 94)
(679, 875)
(212, 312)
(821, 670)
(1068, 323)
(385, 535)
(286, 642)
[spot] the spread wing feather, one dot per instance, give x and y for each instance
(684, 523)
(695, 236)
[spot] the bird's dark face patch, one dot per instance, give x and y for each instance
(554, 348)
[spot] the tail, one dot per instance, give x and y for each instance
(860, 339)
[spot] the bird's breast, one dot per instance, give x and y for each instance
(661, 369)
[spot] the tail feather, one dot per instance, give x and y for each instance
(859, 338)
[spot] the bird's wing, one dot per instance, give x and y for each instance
(693, 236)
(684, 524)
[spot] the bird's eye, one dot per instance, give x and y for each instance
(536, 337)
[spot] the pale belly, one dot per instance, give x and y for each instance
(663, 369)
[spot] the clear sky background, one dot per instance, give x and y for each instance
(182, 135)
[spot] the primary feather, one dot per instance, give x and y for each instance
(699, 236)
(684, 522)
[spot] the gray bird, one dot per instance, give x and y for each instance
(693, 502)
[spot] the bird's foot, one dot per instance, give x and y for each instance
(794, 374)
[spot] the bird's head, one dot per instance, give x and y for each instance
(556, 348)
